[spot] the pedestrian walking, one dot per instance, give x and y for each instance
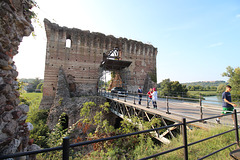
(227, 104)
(140, 93)
(154, 98)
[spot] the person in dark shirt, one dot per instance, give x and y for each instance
(140, 93)
(227, 104)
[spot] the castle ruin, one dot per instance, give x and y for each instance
(80, 53)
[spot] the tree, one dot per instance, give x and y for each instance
(234, 81)
(173, 88)
(34, 84)
(221, 88)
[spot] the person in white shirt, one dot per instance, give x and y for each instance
(154, 98)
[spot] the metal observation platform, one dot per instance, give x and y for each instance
(112, 61)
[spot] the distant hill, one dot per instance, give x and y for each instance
(205, 83)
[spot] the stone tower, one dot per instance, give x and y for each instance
(79, 54)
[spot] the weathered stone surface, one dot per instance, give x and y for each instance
(1, 110)
(5, 142)
(10, 128)
(12, 146)
(7, 117)
(8, 107)
(33, 147)
(1, 81)
(62, 86)
(11, 96)
(16, 114)
(5, 88)
(3, 63)
(24, 108)
(22, 118)
(3, 99)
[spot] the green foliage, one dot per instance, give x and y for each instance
(205, 83)
(196, 94)
(86, 111)
(201, 88)
(60, 101)
(39, 87)
(31, 99)
(221, 88)
(234, 81)
(32, 84)
(39, 120)
(37, 117)
(172, 88)
(201, 149)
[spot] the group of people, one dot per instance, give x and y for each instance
(152, 97)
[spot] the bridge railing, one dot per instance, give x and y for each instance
(66, 144)
(171, 102)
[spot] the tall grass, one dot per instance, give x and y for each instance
(32, 100)
(203, 148)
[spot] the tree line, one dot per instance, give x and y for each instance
(174, 88)
(31, 85)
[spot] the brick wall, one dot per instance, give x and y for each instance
(82, 59)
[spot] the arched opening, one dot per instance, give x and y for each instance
(68, 42)
(64, 121)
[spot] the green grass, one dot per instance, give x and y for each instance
(203, 148)
(33, 100)
(203, 93)
(32, 96)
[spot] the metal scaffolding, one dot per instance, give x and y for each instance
(112, 62)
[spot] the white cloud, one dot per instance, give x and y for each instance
(238, 16)
(215, 45)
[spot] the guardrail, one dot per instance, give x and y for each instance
(133, 96)
(66, 145)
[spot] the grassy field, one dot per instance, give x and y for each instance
(32, 96)
(201, 149)
(33, 100)
(203, 93)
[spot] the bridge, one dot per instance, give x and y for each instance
(171, 109)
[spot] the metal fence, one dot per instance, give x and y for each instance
(66, 145)
(170, 101)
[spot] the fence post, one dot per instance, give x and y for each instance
(200, 103)
(125, 97)
(65, 148)
(134, 99)
(236, 126)
(167, 106)
(117, 97)
(184, 131)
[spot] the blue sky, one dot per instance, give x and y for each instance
(196, 39)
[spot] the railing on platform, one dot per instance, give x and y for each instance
(133, 96)
(66, 146)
